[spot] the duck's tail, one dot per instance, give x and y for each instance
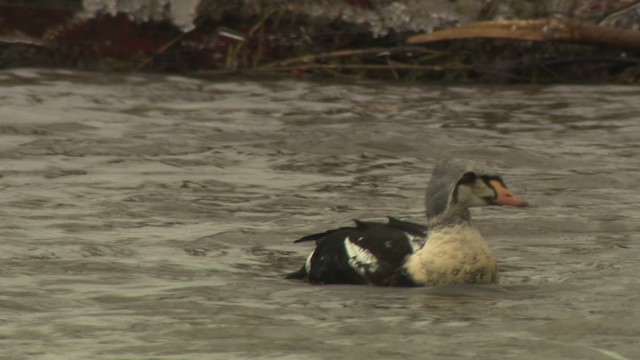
(298, 275)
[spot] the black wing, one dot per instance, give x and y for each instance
(370, 252)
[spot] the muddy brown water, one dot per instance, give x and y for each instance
(153, 216)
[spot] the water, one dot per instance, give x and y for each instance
(152, 217)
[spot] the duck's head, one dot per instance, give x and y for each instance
(456, 185)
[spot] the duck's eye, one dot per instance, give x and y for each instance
(468, 178)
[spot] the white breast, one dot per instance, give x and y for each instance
(453, 255)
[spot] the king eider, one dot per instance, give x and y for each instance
(450, 250)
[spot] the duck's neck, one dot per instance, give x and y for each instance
(452, 216)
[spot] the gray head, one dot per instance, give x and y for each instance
(458, 184)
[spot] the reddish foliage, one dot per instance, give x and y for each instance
(117, 36)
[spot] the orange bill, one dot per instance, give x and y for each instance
(505, 196)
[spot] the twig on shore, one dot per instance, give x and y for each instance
(392, 65)
(555, 29)
(309, 59)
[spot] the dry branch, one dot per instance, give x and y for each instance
(556, 29)
(397, 66)
(312, 58)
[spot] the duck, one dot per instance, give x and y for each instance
(447, 250)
